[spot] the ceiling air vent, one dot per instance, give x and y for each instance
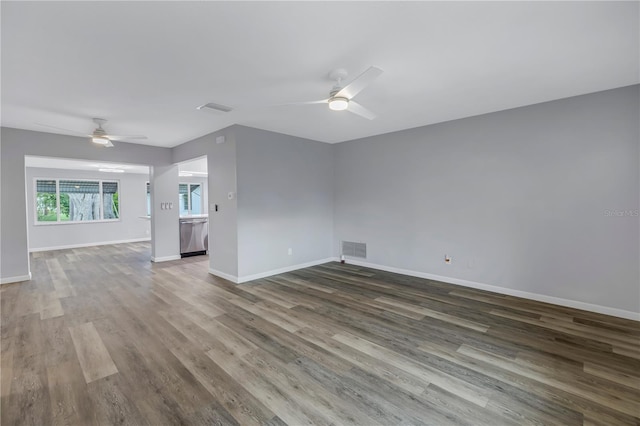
(215, 107)
(352, 249)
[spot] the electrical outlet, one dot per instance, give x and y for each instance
(290, 251)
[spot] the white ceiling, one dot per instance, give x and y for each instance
(145, 66)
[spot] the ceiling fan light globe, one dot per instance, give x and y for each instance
(100, 140)
(338, 104)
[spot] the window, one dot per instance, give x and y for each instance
(148, 199)
(110, 201)
(190, 198)
(61, 200)
(47, 200)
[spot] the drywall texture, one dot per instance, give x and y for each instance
(14, 145)
(223, 224)
(132, 190)
(285, 200)
(542, 199)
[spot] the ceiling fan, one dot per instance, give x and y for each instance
(341, 98)
(99, 135)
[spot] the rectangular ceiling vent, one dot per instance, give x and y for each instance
(215, 107)
(352, 249)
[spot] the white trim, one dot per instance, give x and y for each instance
(17, 279)
(165, 258)
(102, 243)
(606, 310)
(224, 275)
(246, 278)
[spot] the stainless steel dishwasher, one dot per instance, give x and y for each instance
(194, 236)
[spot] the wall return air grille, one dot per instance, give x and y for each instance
(352, 249)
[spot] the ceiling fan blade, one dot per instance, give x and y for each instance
(108, 145)
(359, 83)
(124, 138)
(358, 109)
(62, 129)
(324, 101)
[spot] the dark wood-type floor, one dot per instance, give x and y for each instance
(103, 336)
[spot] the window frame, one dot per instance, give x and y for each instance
(147, 198)
(36, 222)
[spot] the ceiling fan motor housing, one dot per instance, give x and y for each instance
(99, 132)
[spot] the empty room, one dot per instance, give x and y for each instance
(320, 213)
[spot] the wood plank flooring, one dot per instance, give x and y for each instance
(103, 336)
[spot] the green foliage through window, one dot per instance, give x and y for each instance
(76, 200)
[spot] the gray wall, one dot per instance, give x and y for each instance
(132, 188)
(14, 145)
(223, 224)
(285, 200)
(165, 231)
(518, 198)
(282, 197)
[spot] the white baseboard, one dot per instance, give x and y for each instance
(224, 275)
(246, 278)
(102, 243)
(606, 310)
(17, 279)
(165, 258)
